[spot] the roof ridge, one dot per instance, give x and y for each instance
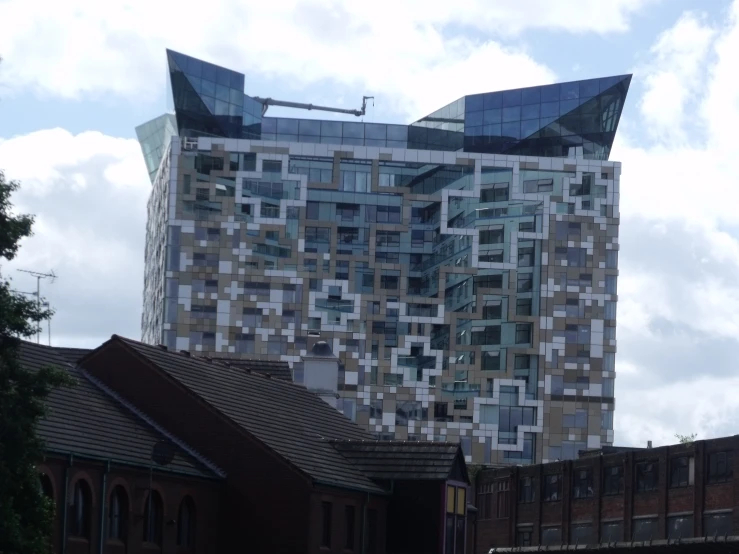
(396, 441)
(146, 419)
(201, 360)
(297, 440)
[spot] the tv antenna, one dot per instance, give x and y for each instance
(52, 277)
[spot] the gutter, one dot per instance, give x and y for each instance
(145, 467)
(103, 497)
(65, 505)
(363, 538)
(114, 395)
(379, 491)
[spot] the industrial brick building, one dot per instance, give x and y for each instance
(677, 493)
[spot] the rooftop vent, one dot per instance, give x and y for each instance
(321, 348)
(162, 346)
(185, 353)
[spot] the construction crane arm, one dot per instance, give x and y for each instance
(267, 102)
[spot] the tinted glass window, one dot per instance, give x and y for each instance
(531, 95)
(680, 527)
(612, 531)
(645, 529)
(492, 100)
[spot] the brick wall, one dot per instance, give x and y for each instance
(63, 474)
(681, 497)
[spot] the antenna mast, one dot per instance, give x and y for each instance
(52, 277)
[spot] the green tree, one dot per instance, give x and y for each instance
(25, 515)
(685, 439)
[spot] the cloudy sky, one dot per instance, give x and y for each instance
(78, 76)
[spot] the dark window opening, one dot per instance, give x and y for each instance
(613, 480)
(45, 487)
(526, 490)
(153, 516)
(552, 488)
(349, 527)
(680, 527)
(680, 472)
(582, 483)
(186, 523)
(551, 536)
(645, 529)
(582, 534)
(646, 476)
(612, 531)
(326, 524)
(523, 333)
(371, 531)
(502, 501)
(717, 525)
(117, 514)
(80, 510)
(720, 467)
(523, 536)
(523, 306)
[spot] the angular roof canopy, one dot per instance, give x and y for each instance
(545, 120)
(153, 136)
(577, 118)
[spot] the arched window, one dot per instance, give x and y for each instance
(45, 487)
(186, 523)
(153, 517)
(118, 514)
(80, 510)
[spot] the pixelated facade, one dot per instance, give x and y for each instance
(468, 290)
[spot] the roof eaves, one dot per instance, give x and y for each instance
(50, 452)
(146, 419)
(376, 489)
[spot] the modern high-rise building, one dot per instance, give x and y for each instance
(463, 268)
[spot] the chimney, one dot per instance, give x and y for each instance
(649, 444)
(321, 372)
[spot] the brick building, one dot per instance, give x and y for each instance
(245, 460)
(660, 495)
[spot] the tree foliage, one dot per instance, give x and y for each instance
(685, 439)
(25, 515)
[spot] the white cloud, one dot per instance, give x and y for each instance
(89, 194)
(673, 76)
(418, 54)
(706, 406)
(678, 294)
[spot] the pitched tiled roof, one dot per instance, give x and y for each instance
(72, 355)
(274, 368)
(398, 460)
(85, 421)
(284, 416)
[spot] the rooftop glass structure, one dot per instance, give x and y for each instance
(546, 120)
